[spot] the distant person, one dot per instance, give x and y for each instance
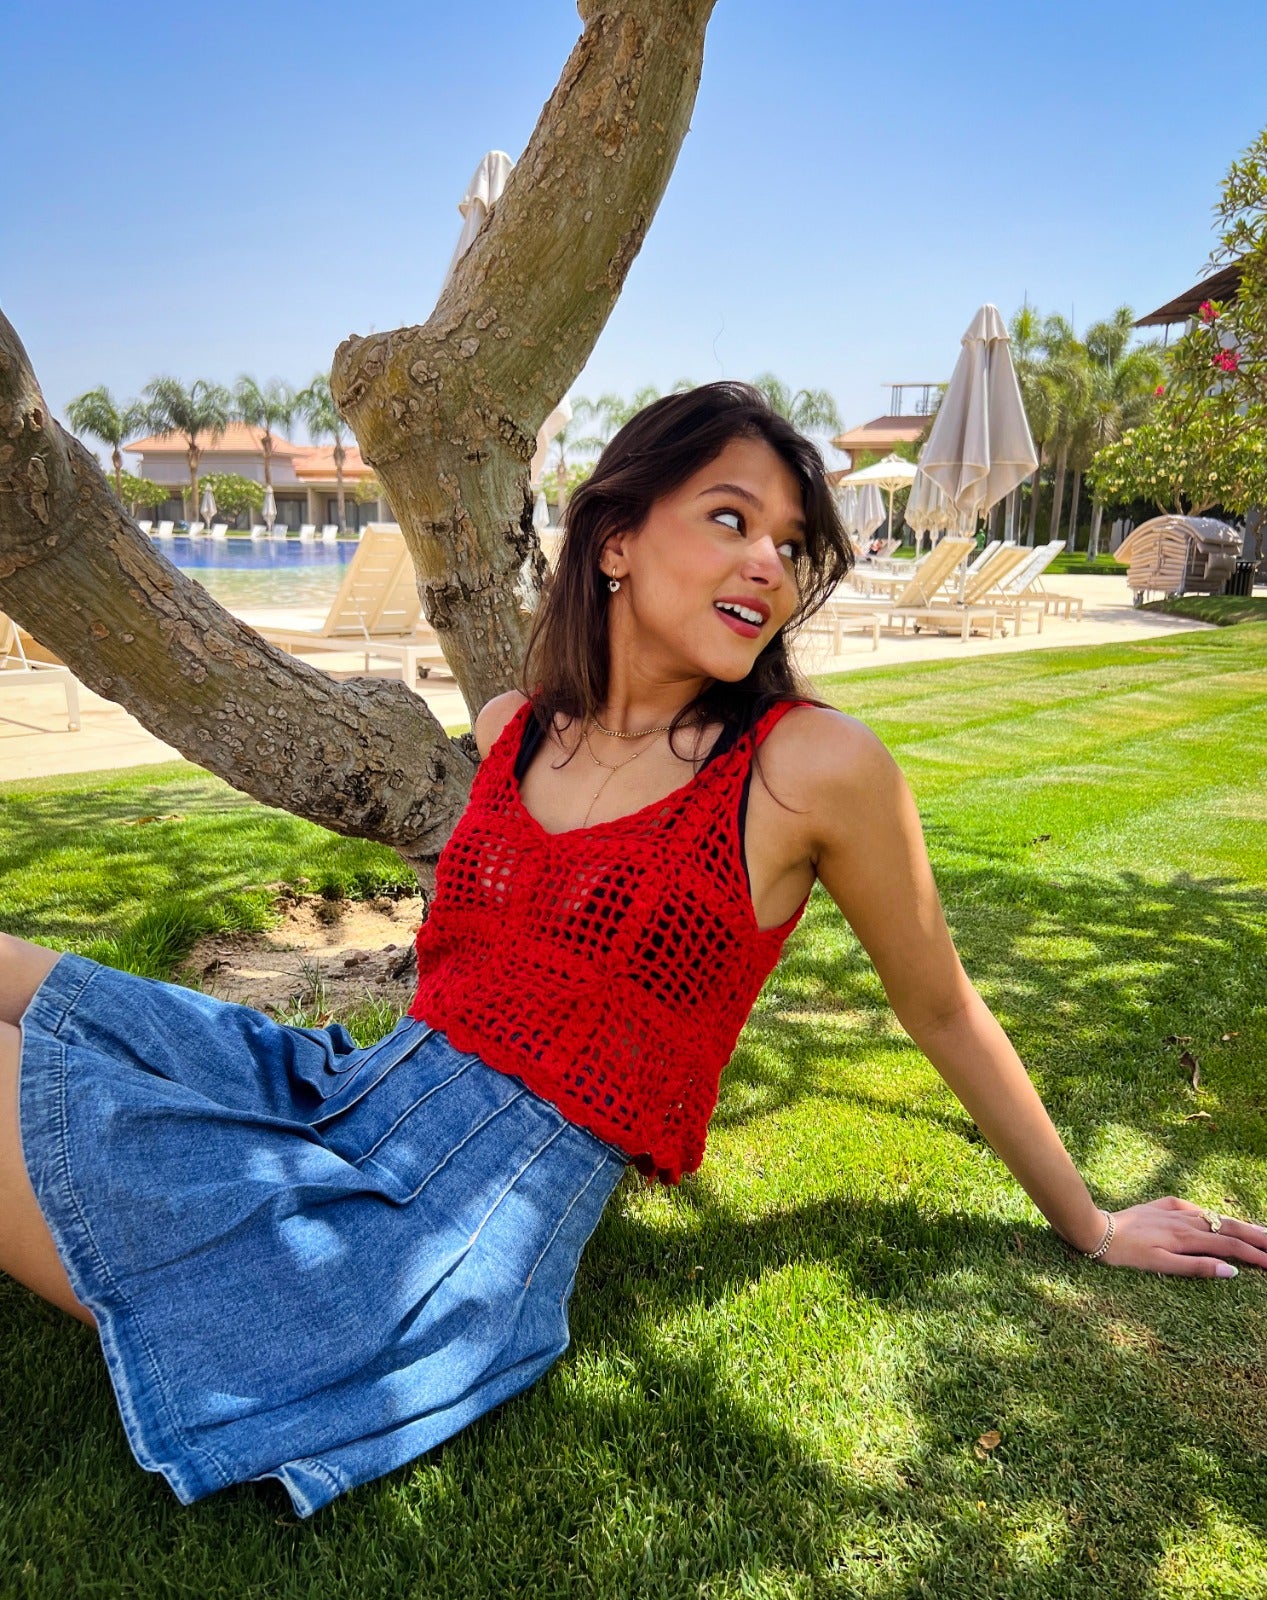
(311, 1261)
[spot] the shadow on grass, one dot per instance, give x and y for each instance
(83, 863)
(646, 1465)
(1090, 975)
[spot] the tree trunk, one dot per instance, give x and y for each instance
(1073, 512)
(446, 414)
(117, 459)
(1058, 494)
(1093, 539)
(195, 456)
(1036, 482)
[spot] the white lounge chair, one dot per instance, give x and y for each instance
(377, 611)
(923, 583)
(219, 530)
(259, 531)
(17, 668)
(195, 529)
(330, 532)
(981, 598)
(1028, 583)
(307, 532)
(164, 530)
(974, 566)
(931, 598)
(280, 531)
(145, 526)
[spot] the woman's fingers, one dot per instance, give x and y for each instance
(1235, 1246)
(1173, 1235)
(1182, 1266)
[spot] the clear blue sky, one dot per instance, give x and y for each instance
(233, 188)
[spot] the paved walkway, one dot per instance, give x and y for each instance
(34, 741)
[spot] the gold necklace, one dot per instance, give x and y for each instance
(614, 733)
(609, 768)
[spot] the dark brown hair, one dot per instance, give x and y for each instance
(567, 665)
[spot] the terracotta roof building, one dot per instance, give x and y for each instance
(304, 482)
(882, 435)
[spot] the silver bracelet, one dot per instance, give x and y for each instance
(1094, 1255)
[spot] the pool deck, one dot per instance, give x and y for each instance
(35, 743)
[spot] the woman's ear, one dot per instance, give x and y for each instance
(611, 557)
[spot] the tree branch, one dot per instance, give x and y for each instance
(365, 758)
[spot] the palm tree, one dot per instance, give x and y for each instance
(808, 410)
(316, 405)
(572, 438)
(1026, 331)
(1121, 394)
(97, 414)
(267, 408)
(613, 411)
(1065, 380)
(200, 412)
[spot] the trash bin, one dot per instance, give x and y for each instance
(1242, 579)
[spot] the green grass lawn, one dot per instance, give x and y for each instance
(780, 1372)
(1222, 609)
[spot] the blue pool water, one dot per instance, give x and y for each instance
(248, 573)
(255, 555)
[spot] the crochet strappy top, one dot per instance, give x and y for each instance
(612, 967)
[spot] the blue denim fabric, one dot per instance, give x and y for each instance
(307, 1261)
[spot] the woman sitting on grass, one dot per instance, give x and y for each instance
(311, 1261)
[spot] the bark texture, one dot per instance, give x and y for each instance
(446, 413)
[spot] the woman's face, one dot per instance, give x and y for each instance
(709, 578)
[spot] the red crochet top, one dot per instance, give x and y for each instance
(610, 968)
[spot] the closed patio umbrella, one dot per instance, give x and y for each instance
(980, 447)
(270, 508)
(928, 511)
(207, 507)
(847, 505)
(870, 509)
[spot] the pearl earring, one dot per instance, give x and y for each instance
(613, 584)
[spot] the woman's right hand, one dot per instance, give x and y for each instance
(1174, 1236)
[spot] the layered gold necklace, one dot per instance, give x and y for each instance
(619, 766)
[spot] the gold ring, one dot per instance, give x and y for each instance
(1214, 1219)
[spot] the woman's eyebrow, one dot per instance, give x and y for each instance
(746, 494)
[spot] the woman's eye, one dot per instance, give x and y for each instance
(737, 524)
(791, 550)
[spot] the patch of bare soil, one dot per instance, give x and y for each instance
(327, 954)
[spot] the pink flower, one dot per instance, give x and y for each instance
(1227, 361)
(1160, 390)
(1207, 311)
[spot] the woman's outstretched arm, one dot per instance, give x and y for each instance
(869, 854)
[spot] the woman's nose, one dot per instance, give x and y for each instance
(764, 564)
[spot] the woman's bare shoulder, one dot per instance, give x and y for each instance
(494, 717)
(824, 756)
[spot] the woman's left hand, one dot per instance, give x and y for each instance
(1175, 1236)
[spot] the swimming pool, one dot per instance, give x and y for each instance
(262, 572)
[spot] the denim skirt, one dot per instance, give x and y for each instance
(307, 1260)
